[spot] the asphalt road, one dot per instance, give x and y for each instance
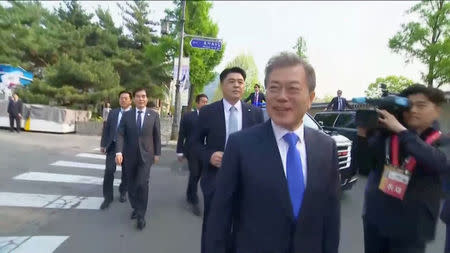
(81, 227)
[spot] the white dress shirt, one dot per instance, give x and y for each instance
(283, 146)
(226, 109)
(142, 115)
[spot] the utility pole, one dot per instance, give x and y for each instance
(177, 114)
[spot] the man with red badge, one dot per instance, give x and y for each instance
(406, 163)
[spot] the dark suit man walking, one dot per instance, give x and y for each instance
(278, 188)
(139, 147)
(256, 97)
(186, 149)
(108, 146)
(15, 108)
(216, 122)
(339, 103)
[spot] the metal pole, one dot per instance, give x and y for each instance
(177, 114)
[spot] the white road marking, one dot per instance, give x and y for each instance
(89, 155)
(13, 199)
(95, 166)
(62, 178)
(27, 244)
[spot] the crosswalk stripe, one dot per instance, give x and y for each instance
(62, 178)
(89, 155)
(82, 165)
(13, 199)
(35, 244)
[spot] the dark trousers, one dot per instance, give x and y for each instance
(374, 242)
(108, 178)
(207, 201)
(194, 176)
(447, 239)
(139, 176)
(13, 118)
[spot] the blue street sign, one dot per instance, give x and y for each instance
(206, 44)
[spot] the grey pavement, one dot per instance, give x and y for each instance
(171, 228)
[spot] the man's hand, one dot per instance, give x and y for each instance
(119, 159)
(180, 158)
(20, 116)
(216, 159)
(390, 122)
(156, 159)
(103, 150)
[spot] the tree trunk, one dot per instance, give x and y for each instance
(190, 98)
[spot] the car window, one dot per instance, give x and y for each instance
(327, 118)
(346, 120)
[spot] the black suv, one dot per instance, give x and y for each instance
(342, 122)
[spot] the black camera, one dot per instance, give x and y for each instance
(393, 103)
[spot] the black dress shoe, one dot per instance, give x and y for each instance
(196, 210)
(123, 197)
(141, 223)
(133, 215)
(105, 204)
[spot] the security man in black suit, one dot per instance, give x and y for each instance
(257, 97)
(404, 220)
(186, 149)
(139, 147)
(108, 146)
(339, 103)
(216, 122)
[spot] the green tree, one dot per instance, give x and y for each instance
(300, 48)
(74, 14)
(394, 84)
(427, 40)
(202, 62)
(151, 64)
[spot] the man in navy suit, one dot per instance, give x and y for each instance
(139, 147)
(339, 103)
(186, 149)
(108, 146)
(278, 187)
(216, 122)
(256, 97)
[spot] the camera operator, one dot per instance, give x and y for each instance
(404, 220)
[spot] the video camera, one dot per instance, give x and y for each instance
(393, 103)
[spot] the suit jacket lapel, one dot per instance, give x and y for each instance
(312, 155)
(147, 119)
(222, 129)
(133, 120)
(246, 115)
(276, 164)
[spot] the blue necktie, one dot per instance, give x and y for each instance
(294, 173)
(139, 122)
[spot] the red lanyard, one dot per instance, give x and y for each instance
(411, 161)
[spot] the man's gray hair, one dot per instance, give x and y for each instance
(286, 59)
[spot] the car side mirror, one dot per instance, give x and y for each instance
(320, 123)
